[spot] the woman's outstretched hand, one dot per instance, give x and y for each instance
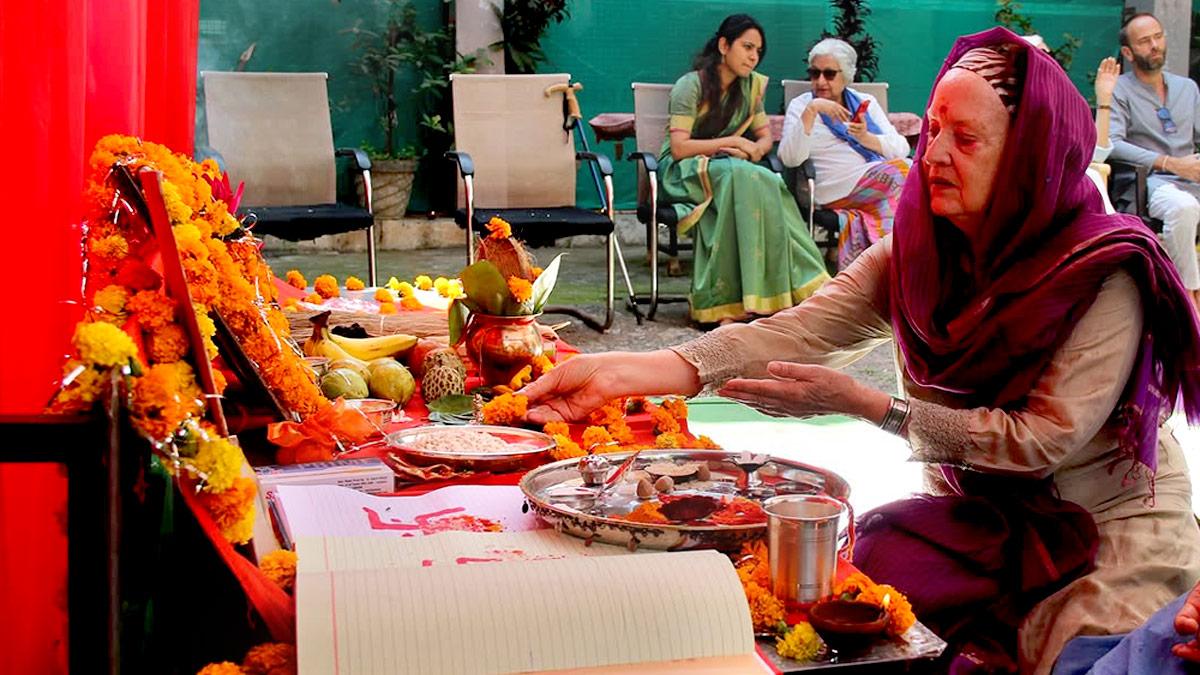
(802, 390)
(585, 383)
(1187, 622)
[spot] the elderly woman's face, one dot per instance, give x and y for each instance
(968, 125)
(824, 86)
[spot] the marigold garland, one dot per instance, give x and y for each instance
(222, 668)
(280, 567)
(858, 586)
(167, 344)
(271, 658)
(103, 345)
(505, 410)
(111, 299)
(152, 310)
(233, 509)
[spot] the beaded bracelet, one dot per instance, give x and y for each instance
(896, 416)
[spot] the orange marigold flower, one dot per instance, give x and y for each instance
(219, 381)
(523, 377)
(664, 422)
(384, 295)
(537, 272)
(222, 668)
(167, 344)
(565, 448)
(314, 298)
(676, 406)
(505, 410)
(596, 436)
(520, 288)
(280, 566)
(706, 443)
(542, 365)
(498, 228)
(766, 610)
(113, 247)
(387, 308)
(152, 309)
(233, 510)
(610, 412)
(291, 304)
(852, 585)
(557, 429)
(899, 610)
(671, 439)
(271, 658)
(296, 280)
(621, 433)
(354, 284)
(409, 302)
(327, 286)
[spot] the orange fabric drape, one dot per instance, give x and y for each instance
(71, 71)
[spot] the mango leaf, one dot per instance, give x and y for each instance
(454, 404)
(485, 285)
(457, 313)
(544, 284)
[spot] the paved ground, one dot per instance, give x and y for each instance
(581, 284)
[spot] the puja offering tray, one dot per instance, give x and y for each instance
(669, 499)
(473, 447)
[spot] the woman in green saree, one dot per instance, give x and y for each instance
(753, 253)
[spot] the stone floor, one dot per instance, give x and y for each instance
(581, 284)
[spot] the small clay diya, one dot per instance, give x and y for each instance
(847, 624)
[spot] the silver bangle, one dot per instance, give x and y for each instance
(896, 416)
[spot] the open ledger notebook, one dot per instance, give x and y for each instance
(502, 602)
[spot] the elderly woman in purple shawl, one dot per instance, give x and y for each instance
(1043, 343)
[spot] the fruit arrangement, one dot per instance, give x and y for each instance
(362, 367)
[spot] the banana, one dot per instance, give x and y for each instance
(369, 349)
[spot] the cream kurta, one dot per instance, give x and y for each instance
(1149, 551)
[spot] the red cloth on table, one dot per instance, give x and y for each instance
(71, 72)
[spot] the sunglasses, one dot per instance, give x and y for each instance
(829, 73)
(1168, 124)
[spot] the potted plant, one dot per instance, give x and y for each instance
(523, 23)
(497, 314)
(383, 55)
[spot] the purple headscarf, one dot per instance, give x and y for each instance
(988, 334)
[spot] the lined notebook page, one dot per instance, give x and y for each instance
(572, 612)
(442, 549)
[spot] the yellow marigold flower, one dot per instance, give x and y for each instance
(440, 285)
(454, 289)
(393, 283)
(219, 381)
(505, 410)
(103, 344)
(801, 643)
(327, 286)
(664, 422)
(594, 437)
(314, 298)
(537, 272)
(188, 238)
(152, 309)
(113, 247)
(280, 566)
(676, 406)
(111, 298)
(354, 284)
(296, 280)
(565, 448)
(542, 365)
(405, 289)
(498, 228)
(410, 302)
(177, 211)
(208, 329)
(222, 668)
(523, 377)
(423, 282)
(557, 429)
(219, 459)
(167, 344)
(387, 307)
(706, 443)
(271, 658)
(671, 439)
(291, 304)
(520, 288)
(80, 395)
(620, 432)
(384, 295)
(233, 509)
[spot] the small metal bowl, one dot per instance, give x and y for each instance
(377, 410)
(317, 364)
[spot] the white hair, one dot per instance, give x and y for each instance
(840, 50)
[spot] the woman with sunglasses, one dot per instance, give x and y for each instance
(753, 253)
(1042, 345)
(860, 159)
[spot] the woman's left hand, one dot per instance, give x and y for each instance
(802, 390)
(859, 131)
